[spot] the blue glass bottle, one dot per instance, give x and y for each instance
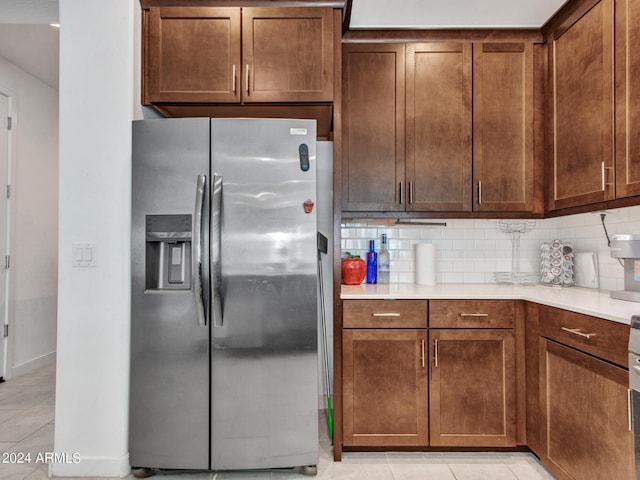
(372, 263)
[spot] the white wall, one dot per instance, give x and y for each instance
(96, 98)
(471, 251)
(34, 223)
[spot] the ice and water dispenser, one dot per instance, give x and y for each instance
(168, 252)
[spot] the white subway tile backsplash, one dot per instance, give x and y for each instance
(471, 251)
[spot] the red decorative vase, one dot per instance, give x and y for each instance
(353, 271)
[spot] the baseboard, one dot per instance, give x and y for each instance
(31, 365)
(75, 465)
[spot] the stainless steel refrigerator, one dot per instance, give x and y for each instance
(224, 294)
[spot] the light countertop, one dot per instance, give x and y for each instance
(597, 303)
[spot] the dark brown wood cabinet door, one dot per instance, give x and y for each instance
(374, 127)
(287, 54)
(627, 98)
(439, 126)
(503, 148)
(385, 387)
(192, 55)
(585, 419)
(472, 400)
(582, 110)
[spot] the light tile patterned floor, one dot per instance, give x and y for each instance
(27, 422)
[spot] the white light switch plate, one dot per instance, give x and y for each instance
(83, 254)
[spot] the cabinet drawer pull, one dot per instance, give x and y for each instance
(422, 352)
(474, 314)
(576, 331)
(390, 314)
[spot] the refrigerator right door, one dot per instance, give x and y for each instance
(264, 289)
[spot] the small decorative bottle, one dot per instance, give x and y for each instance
(384, 261)
(372, 263)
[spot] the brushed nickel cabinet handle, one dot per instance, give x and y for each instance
(435, 352)
(233, 79)
(422, 352)
(576, 331)
(401, 194)
(246, 79)
(479, 192)
(410, 193)
(629, 410)
(474, 314)
(390, 314)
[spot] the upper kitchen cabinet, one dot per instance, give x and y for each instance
(503, 127)
(287, 54)
(582, 109)
(374, 119)
(191, 54)
(627, 98)
(421, 121)
(237, 55)
(439, 127)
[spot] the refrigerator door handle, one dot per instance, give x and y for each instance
(196, 237)
(215, 239)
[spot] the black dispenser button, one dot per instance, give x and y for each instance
(304, 157)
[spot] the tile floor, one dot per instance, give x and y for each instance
(27, 420)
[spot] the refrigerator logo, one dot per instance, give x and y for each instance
(297, 131)
(308, 206)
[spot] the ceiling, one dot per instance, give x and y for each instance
(33, 48)
(27, 40)
(452, 13)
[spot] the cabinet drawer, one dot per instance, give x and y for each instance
(601, 338)
(471, 314)
(384, 314)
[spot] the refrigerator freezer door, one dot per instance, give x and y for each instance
(169, 399)
(264, 351)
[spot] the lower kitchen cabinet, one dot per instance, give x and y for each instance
(584, 397)
(472, 358)
(385, 387)
(585, 416)
(473, 388)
